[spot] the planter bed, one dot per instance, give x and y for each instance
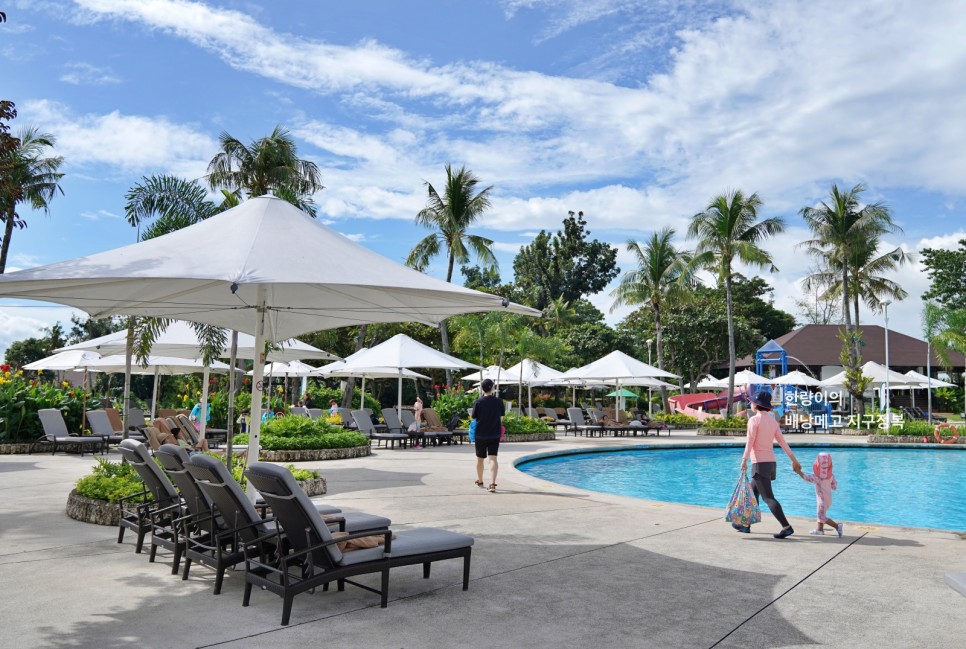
(314, 455)
(533, 437)
(911, 439)
(22, 448)
(722, 432)
(101, 512)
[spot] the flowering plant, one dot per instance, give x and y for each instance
(452, 401)
(20, 399)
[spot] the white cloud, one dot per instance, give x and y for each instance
(99, 215)
(28, 321)
(85, 74)
(132, 143)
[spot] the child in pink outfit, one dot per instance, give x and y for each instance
(825, 483)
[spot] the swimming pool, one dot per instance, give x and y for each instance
(893, 486)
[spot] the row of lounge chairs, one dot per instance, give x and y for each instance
(287, 543)
(598, 422)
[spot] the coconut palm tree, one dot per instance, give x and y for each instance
(842, 227)
(451, 214)
(866, 272)
(728, 231)
(30, 176)
(663, 275)
(268, 165)
(172, 202)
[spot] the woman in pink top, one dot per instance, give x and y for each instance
(763, 432)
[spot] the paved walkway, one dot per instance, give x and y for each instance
(552, 567)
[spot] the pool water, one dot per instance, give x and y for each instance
(903, 487)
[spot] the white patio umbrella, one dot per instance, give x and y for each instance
(181, 340)
(796, 377)
(923, 380)
(874, 371)
(709, 382)
(531, 373)
(260, 273)
(158, 366)
(63, 361)
(338, 370)
(747, 377)
(493, 372)
(402, 352)
(617, 367)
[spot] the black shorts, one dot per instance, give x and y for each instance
(486, 447)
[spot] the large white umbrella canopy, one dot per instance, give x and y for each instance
(157, 365)
(923, 381)
(796, 377)
(874, 371)
(747, 377)
(180, 339)
(63, 361)
(338, 370)
(531, 373)
(292, 368)
(267, 269)
(493, 372)
(709, 382)
(402, 352)
(618, 367)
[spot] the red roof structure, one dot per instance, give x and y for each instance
(817, 345)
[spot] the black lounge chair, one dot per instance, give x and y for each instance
(579, 426)
(365, 426)
(315, 559)
(240, 522)
(55, 432)
(159, 516)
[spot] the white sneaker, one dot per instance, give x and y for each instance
(839, 528)
(819, 532)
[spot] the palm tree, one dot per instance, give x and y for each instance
(29, 176)
(173, 202)
(842, 228)
(451, 214)
(662, 275)
(268, 165)
(729, 230)
(866, 272)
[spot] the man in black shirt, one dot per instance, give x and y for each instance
(488, 412)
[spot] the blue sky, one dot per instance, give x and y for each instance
(636, 113)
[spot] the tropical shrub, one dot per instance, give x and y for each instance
(111, 481)
(296, 433)
(517, 425)
(321, 395)
(948, 400)
(918, 429)
(21, 398)
(452, 401)
(676, 418)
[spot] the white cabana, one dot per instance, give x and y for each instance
(493, 372)
(63, 361)
(338, 370)
(878, 373)
(402, 352)
(747, 377)
(617, 368)
(710, 383)
(926, 382)
(261, 273)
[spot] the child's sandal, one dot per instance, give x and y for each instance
(478, 483)
(492, 488)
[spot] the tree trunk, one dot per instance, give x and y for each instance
(852, 341)
(731, 345)
(129, 350)
(7, 234)
(660, 352)
(444, 335)
(350, 382)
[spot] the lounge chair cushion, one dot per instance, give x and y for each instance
(360, 521)
(412, 542)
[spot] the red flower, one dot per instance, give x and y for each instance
(4, 368)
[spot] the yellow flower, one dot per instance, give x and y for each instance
(198, 392)
(20, 372)
(65, 384)
(280, 389)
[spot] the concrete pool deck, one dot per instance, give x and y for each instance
(552, 566)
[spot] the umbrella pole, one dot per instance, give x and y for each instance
(232, 378)
(84, 401)
(362, 393)
(258, 372)
(399, 390)
(203, 415)
(127, 376)
(154, 394)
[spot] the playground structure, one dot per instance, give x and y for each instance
(797, 407)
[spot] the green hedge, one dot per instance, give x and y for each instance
(732, 423)
(919, 429)
(298, 433)
(21, 398)
(677, 419)
(517, 425)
